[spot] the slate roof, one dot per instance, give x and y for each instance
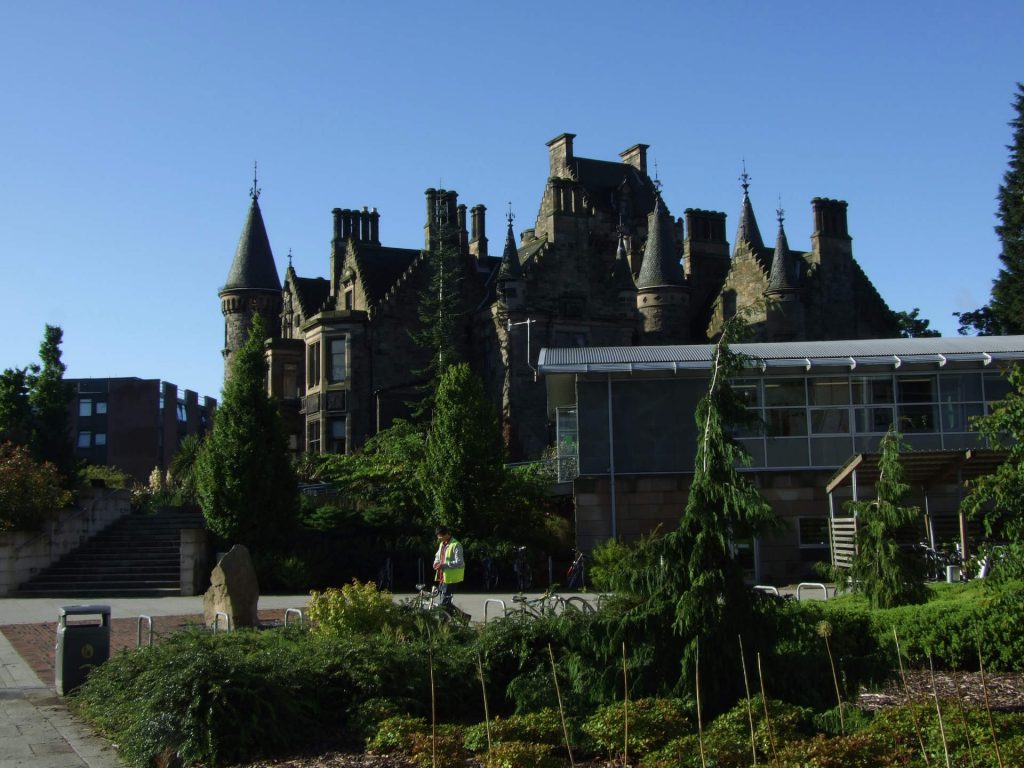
(660, 265)
(602, 179)
(783, 277)
(747, 231)
(253, 267)
(380, 267)
(312, 293)
(510, 268)
(622, 275)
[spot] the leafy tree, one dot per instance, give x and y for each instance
(999, 497)
(885, 574)
(463, 470)
(15, 407)
(29, 490)
(245, 482)
(1004, 313)
(913, 327)
(440, 306)
(183, 467)
(50, 396)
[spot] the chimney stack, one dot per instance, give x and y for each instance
(560, 154)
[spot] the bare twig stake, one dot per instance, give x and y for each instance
(825, 630)
(910, 704)
(483, 690)
(938, 711)
(767, 717)
(963, 721)
(625, 710)
(750, 708)
(700, 720)
(433, 711)
(561, 709)
(988, 708)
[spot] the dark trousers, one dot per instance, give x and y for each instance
(447, 592)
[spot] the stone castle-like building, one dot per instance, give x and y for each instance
(605, 264)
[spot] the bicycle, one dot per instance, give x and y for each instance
(431, 601)
(548, 604)
(576, 576)
(521, 568)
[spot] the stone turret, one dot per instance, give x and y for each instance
(747, 231)
(253, 285)
(784, 316)
(511, 282)
(622, 281)
(663, 297)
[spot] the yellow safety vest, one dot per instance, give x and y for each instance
(447, 574)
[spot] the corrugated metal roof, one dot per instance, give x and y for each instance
(795, 354)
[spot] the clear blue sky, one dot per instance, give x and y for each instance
(129, 131)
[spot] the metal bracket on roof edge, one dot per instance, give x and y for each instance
(898, 362)
(808, 361)
(988, 358)
(942, 360)
(853, 363)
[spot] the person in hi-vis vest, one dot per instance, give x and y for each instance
(449, 565)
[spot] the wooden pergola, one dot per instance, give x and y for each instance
(926, 470)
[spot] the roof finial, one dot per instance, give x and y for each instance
(779, 212)
(657, 181)
(289, 258)
(511, 216)
(254, 192)
(745, 178)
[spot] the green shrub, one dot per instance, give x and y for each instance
(853, 720)
(442, 749)
(521, 754)
(652, 724)
(111, 477)
(355, 608)
(394, 734)
(858, 750)
(541, 727)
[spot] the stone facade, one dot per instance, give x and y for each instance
(604, 264)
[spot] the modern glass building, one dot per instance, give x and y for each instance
(626, 434)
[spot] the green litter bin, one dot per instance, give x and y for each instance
(80, 646)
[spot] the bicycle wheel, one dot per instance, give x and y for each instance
(578, 603)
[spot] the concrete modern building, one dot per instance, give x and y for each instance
(604, 263)
(626, 432)
(134, 424)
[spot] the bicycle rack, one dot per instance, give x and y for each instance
(766, 588)
(295, 612)
(488, 601)
(216, 621)
(138, 633)
(811, 585)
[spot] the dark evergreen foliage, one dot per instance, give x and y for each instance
(1004, 313)
(15, 407)
(884, 573)
(50, 396)
(914, 327)
(245, 482)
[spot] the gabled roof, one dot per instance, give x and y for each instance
(312, 293)
(253, 267)
(660, 266)
(380, 267)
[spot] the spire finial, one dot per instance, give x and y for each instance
(745, 178)
(657, 181)
(254, 191)
(289, 258)
(510, 217)
(779, 212)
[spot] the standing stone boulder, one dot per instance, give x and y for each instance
(233, 590)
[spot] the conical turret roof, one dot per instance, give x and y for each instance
(783, 275)
(747, 230)
(622, 275)
(510, 268)
(253, 267)
(660, 265)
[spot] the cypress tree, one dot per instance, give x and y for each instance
(50, 396)
(1004, 313)
(244, 480)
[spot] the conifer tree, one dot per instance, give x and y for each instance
(50, 396)
(15, 408)
(245, 482)
(1004, 313)
(884, 573)
(440, 306)
(463, 473)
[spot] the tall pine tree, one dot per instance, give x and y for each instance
(244, 479)
(1004, 313)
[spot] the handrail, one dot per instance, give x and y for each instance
(138, 633)
(504, 610)
(810, 585)
(296, 612)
